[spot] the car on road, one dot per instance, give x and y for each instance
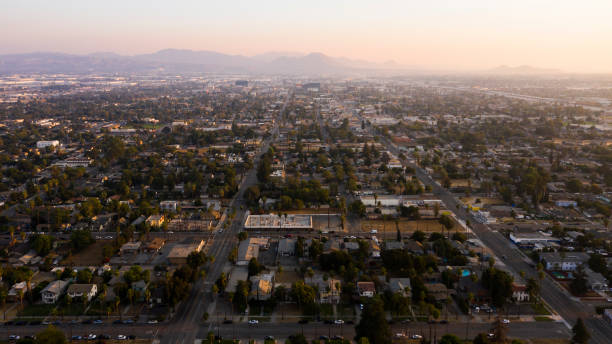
(228, 321)
(76, 337)
(128, 321)
(14, 337)
(253, 322)
(152, 321)
(97, 321)
(104, 336)
(303, 321)
(323, 337)
(505, 321)
(121, 337)
(361, 306)
(87, 321)
(91, 336)
(416, 336)
(269, 337)
(117, 322)
(338, 338)
(339, 322)
(399, 335)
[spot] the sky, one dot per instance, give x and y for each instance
(574, 36)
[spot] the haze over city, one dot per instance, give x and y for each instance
(468, 35)
(305, 172)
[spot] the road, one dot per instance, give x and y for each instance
(184, 325)
(522, 330)
(559, 299)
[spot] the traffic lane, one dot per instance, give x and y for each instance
(521, 330)
(138, 330)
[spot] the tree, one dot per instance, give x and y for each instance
(84, 276)
(241, 296)
(81, 239)
(254, 267)
(50, 335)
(581, 333)
(579, 285)
(450, 339)
(42, 244)
(296, 339)
(481, 338)
(243, 236)
(499, 284)
(373, 324)
(358, 208)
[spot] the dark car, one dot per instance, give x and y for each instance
(20, 323)
(303, 321)
(35, 322)
(132, 337)
(444, 322)
(228, 321)
(128, 321)
(327, 321)
(117, 322)
(87, 321)
(103, 336)
(324, 338)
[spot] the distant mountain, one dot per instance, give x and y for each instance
(182, 60)
(273, 55)
(524, 69)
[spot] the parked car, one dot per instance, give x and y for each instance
(253, 322)
(121, 337)
(339, 322)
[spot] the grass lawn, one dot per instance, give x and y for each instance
(92, 256)
(36, 310)
(543, 318)
(539, 309)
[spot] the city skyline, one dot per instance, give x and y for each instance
(473, 35)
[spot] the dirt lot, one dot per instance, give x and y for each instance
(404, 226)
(483, 200)
(91, 256)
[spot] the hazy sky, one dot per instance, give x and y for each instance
(459, 34)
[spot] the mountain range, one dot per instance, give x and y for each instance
(180, 60)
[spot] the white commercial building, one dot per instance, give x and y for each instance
(45, 144)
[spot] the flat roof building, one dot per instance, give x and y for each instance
(273, 221)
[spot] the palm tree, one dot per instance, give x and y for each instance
(117, 303)
(3, 295)
(28, 277)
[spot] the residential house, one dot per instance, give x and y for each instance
(519, 293)
(261, 286)
(155, 220)
(400, 285)
(328, 289)
(564, 261)
(53, 291)
(131, 247)
(595, 280)
(286, 247)
(82, 290)
(366, 289)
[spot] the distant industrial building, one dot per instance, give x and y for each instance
(272, 221)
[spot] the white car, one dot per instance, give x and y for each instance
(506, 321)
(91, 336)
(253, 322)
(416, 336)
(121, 337)
(339, 322)
(14, 337)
